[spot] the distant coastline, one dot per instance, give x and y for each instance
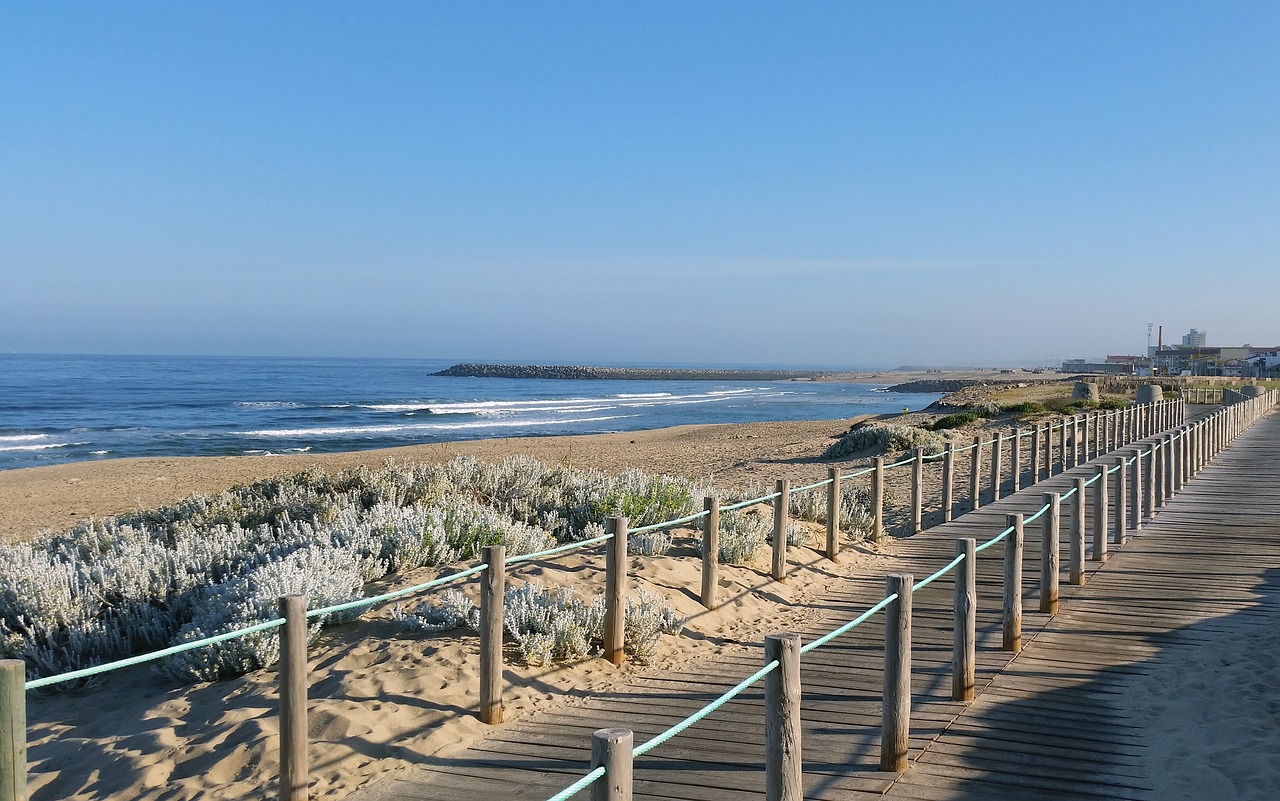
(580, 373)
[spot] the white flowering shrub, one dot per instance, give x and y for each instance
(798, 534)
(650, 543)
(855, 508)
(884, 437)
(552, 624)
(742, 535)
(134, 583)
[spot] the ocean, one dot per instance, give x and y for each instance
(56, 409)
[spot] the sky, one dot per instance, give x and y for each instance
(840, 184)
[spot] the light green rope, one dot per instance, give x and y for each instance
(644, 748)
(138, 660)
(993, 540)
(669, 523)
(808, 487)
(1035, 516)
(559, 549)
(859, 473)
(578, 786)
(922, 583)
(752, 502)
(377, 599)
(831, 635)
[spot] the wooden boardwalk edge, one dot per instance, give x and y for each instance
(1048, 722)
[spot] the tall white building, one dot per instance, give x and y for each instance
(1195, 339)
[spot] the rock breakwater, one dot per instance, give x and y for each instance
(581, 372)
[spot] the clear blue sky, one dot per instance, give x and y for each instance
(818, 183)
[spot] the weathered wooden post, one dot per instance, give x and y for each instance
(1119, 510)
(877, 500)
(1072, 457)
(1179, 459)
(1012, 628)
(13, 730)
(781, 518)
(492, 591)
(833, 514)
(1174, 445)
(711, 553)
(1075, 573)
(295, 772)
(783, 770)
(1136, 494)
(1159, 456)
(917, 491)
(997, 454)
(1035, 454)
(615, 589)
(948, 480)
(1062, 447)
(1049, 554)
(1100, 515)
(1099, 434)
(975, 474)
(897, 675)
(1048, 450)
(1015, 459)
(964, 649)
(1085, 420)
(612, 750)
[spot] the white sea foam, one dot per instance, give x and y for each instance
(41, 447)
(99, 453)
(269, 404)
(398, 429)
(22, 437)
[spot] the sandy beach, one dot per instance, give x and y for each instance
(382, 696)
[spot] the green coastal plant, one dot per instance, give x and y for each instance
(884, 437)
(206, 565)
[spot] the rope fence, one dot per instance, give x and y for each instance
(1188, 447)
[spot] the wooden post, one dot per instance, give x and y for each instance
(877, 500)
(997, 453)
(975, 474)
(1075, 573)
(1100, 515)
(711, 552)
(1121, 497)
(833, 514)
(917, 491)
(1072, 453)
(781, 517)
(612, 750)
(783, 770)
(1136, 494)
(1099, 434)
(492, 597)
(13, 730)
(294, 770)
(1012, 628)
(1085, 420)
(1048, 450)
(1015, 459)
(964, 658)
(1049, 554)
(897, 674)
(1035, 454)
(1062, 447)
(948, 480)
(615, 589)
(1159, 456)
(1173, 445)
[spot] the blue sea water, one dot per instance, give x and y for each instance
(56, 409)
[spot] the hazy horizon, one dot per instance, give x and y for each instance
(735, 183)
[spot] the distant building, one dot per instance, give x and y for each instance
(1107, 367)
(1194, 339)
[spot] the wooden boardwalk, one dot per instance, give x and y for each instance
(1049, 723)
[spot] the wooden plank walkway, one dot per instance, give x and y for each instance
(1047, 723)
